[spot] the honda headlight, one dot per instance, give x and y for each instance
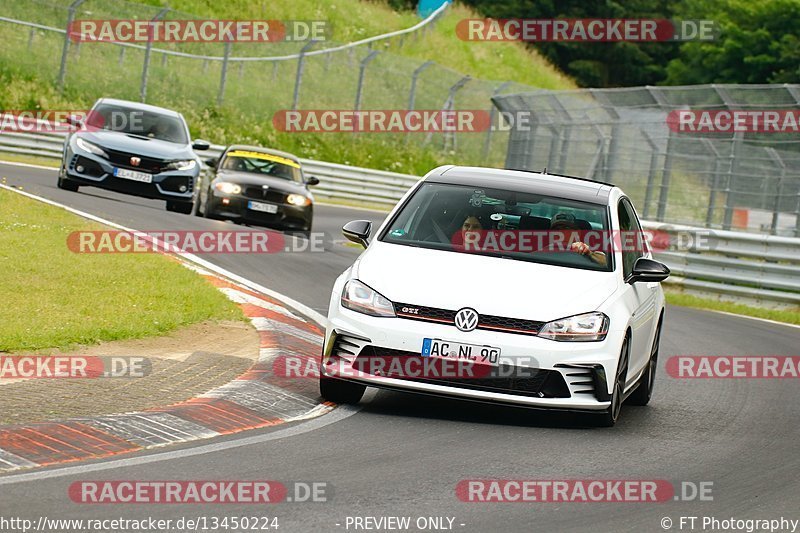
(227, 188)
(580, 328)
(188, 164)
(298, 200)
(358, 297)
(90, 147)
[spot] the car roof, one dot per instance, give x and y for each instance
(139, 106)
(261, 149)
(524, 181)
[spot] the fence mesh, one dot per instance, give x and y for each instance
(743, 181)
(724, 179)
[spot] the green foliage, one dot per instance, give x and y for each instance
(758, 43)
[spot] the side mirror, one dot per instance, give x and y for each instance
(311, 180)
(358, 231)
(73, 121)
(648, 270)
(200, 144)
(211, 161)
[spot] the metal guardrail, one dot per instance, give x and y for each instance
(753, 267)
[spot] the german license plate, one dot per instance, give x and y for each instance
(262, 207)
(482, 354)
(134, 175)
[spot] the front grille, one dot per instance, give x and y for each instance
(488, 322)
(259, 193)
(506, 379)
(147, 164)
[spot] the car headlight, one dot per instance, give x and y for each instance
(298, 200)
(227, 187)
(358, 297)
(90, 147)
(188, 164)
(579, 328)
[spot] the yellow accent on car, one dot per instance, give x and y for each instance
(262, 155)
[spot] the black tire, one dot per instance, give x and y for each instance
(180, 207)
(67, 185)
(610, 416)
(338, 391)
(644, 391)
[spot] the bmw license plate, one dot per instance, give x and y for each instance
(262, 207)
(134, 175)
(482, 354)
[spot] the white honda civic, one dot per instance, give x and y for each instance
(501, 286)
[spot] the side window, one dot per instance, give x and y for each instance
(628, 223)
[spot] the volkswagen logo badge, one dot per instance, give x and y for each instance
(466, 319)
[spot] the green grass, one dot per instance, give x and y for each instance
(790, 316)
(54, 298)
(255, 92)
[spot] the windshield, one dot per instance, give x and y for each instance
(504, 223)
(262, 163)
(138, 122)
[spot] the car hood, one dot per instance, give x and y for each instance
(152, 148)
(490, 285)
(248, 178)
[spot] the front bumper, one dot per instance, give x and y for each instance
(287, 216)
(581, 367)
(99, 172)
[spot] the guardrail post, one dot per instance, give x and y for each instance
(31, 35)
(492, 117)
(121, 55)
(361, 70)
(599, 155)
(651, 173)
(224, 74)
(299, 76)
(729, 189)
(412, 95)
(663, 194)
(147, 51)
(776, 205)
(62, 71)
(449, 104)
(712, 195)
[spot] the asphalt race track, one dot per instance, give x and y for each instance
(402, 455)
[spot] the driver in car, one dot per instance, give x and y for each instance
(565, 222)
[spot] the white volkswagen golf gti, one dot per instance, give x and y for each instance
(501, 286)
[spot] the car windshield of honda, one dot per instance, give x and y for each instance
(504, 223)
(138, 122)
(262, 163)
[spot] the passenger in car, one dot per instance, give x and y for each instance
(566, 225)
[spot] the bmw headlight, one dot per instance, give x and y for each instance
(578, 328)
(358, 297)
(226, 187)
(90, 147)
(298, 200)
(188, 164)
